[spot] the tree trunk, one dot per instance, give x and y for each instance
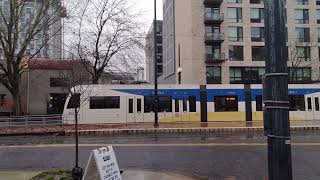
(17, 103)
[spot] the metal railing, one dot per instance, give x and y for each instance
(34, 120)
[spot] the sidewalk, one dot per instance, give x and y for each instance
(128, 175)
(138, 128)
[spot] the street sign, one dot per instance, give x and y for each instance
(102, 165)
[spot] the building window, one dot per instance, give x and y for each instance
(105, 102)
(235, 15)
(301, 16)
(236, 53)
(56, 103)
(59, 82)
(257, 15)
(243, 75)
(297, 103)
(300, 74)
(225, 103)
(257, 34)
(303, 34)
(192, 104)
(213, 75)
(317, 2)
(234, 1)
(235, 34)
(258, 53)
(302, 2)
(256, 1)
(303, 53)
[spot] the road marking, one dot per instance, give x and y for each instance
(158, 145)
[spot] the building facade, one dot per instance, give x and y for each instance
(48, 42)
(222, 41)
(149, 51)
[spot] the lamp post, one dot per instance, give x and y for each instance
(179, 70)
(156, 98)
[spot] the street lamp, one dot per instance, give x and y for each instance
(179, 70)
(156, 98)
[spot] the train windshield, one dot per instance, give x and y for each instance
(74, 101)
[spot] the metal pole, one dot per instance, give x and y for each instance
(156, 98)
(179, 73)
(276, 92)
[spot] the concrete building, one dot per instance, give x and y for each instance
(149, 51)
(45, 85)
(222, 41)
(49, 39)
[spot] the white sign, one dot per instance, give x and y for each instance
(102, 165)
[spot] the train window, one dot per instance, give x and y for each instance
(226, 103)
(192, 104)
(105, 102)
(259, 103)
(309, 104)
(165, 104)
(177, 109)
(130, 105)
(296, 103)
(139, 105)
(74, 101)
(185, 102)
(148, 104)
(317, 103)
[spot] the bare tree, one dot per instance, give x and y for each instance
(299, 55)
(107, 34)
(24, 24)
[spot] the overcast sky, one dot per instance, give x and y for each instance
(147, 6)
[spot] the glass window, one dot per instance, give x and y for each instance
(74, 101)
(234, 15)
(130, 105)
(301, 16)
(296, 103)
(259, 103)
(148, 104)
(257, 34)
(300, 74)
(165, 104)
(303, 34)
(234, 1)
(105, 102)
(185, 102)
(236, 53)
(176, 109)
(316, 103)
(139, 104)
(59, 82)
(309, 104)
(302, 2)
(257, 15)
(226, 103)
(258, 53)
(235, 33)
(192, 104)
(213, 75)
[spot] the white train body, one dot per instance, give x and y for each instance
(101, 104)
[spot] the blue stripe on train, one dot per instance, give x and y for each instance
(211, 93)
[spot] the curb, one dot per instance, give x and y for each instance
(183, 131)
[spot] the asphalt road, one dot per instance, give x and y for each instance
(240, 157)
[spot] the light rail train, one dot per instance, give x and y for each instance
(182, 103)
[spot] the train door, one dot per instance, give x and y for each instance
(313, 106)
(134, 109)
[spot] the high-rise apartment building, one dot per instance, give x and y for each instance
(149, 51)
(49, 39)
(222, 41)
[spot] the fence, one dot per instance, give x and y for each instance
(22, 121)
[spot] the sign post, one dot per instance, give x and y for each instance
(102, 165)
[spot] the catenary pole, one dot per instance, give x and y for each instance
(276, 110)
(156, 98)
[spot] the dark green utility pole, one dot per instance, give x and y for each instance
(156, 97)
(276, 92)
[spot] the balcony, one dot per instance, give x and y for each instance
(214, 38)
(213, 2)
(215, 58)
(213, 18)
